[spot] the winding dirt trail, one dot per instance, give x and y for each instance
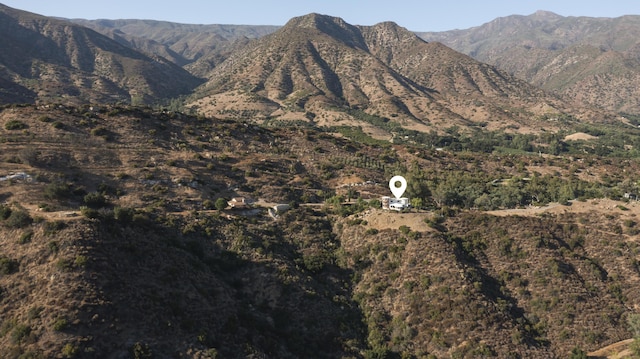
(617, 350)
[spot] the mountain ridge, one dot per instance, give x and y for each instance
(538, 48)
(59, 59)
(383, 69)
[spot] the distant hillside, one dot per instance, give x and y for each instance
(58, 61)
(592, 60)
(184, 43)
(316, 70)
(317, 66)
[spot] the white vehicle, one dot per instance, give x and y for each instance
(397, 206)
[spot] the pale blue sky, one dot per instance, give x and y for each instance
(415, 15)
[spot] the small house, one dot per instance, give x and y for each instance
(239, 202)
(279, 208)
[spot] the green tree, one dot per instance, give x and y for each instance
(417, 183)
(416, 202)
(351, 194)
(221, 204)
(95, 200)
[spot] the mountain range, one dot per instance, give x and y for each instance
(595, 61)
(315, 69)
(316, 66)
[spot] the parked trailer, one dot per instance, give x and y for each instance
(396, 204)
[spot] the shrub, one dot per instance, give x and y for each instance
(69, 350)
(8, 266)
(7, 326)
(635, 347)
(5, 212)
(124, 215)
(221, 204)
(53, 227)
(15, 125)
(208, 204)
(89, 212)
(577, 353)
(80, 261)
(20, 332)
(57, 190)
(25, 237)
(46, 207)
(60, 324)
(95, 200)
(141, 351)
(64, 265)
(18, 219)
(633, 321)
(53, 247)
(371, 231)
(34, 312)
(29, 155)
(99, 131)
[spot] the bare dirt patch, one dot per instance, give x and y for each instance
(348, 180)
(580, 136)
(381, 219)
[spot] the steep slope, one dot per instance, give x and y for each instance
(185, 43)
(316, 66)
(312, 64)
(87, 282)
(532, 286)
(592, 60)
(63, 62)
(472, 89)
(111, 246)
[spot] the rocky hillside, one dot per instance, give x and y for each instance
(49, 60)
(115, 244)
(592, 60)
(181, 43)
(317, 66)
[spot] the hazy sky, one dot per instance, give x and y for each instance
(415, 15)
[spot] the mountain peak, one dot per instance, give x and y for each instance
(316, 21)
(390, 28)
(334, 27)
(546, 15)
